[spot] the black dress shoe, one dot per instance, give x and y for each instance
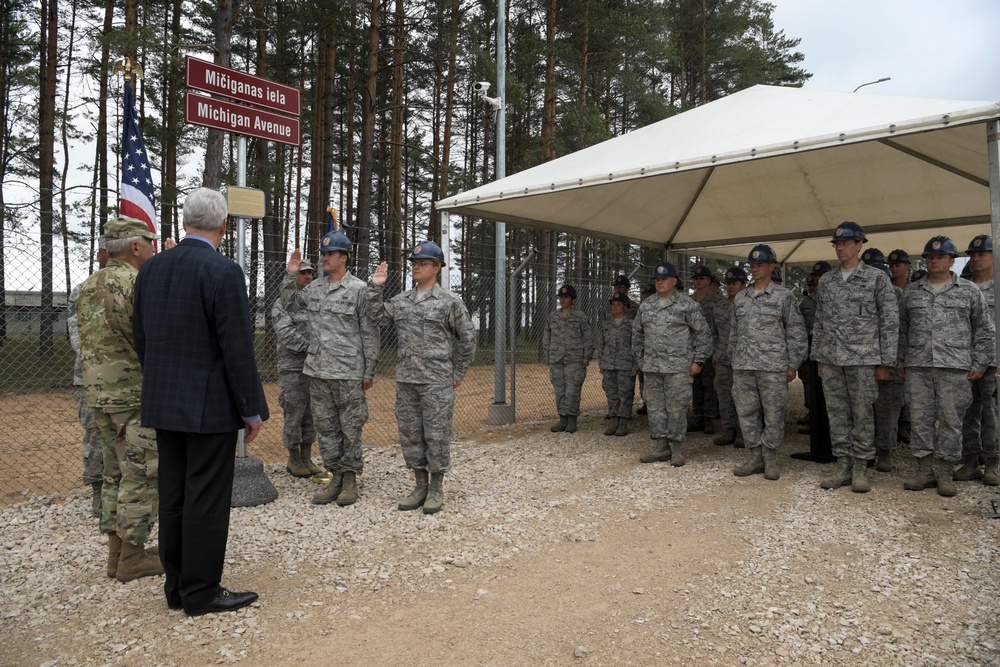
(225, 601)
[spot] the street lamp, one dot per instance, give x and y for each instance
(872, 83)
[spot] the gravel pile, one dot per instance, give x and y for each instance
(802, 576)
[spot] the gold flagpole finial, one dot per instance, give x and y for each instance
(127, 68)
(333, 212)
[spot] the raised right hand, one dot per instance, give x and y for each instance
(381, 274)
(295, 261)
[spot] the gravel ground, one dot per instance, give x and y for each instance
(551, 549)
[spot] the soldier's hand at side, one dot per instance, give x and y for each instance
(295, 261)
(694, 370)
(366, 384)
(586, 363)
(252, 429)
(456, 383)
(974, 374)
(381, 274)
(901, 372)
(881, 373)
(789, 376)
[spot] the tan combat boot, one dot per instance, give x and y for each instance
(991, 476)
(435, 493)
(841, 476)
(295, 467)
(753, 465)
(622, 428)
(676, 455)
(970, 469)
(419, 493)
(114, 554)
(330, 491)
(725, 438)
(136, 562)
(924, 477)
(612, 426)
(349, 493)
(943, 475)
(859, 477)
(662, 452)
(771, 464)
(305, 451)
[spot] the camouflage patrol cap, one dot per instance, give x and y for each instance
(306, 265)
(102, 243)
(126, 228)
(898, 256)
(621, 298)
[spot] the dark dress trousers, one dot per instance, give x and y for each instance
(194, 337)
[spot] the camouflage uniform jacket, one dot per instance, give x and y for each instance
(857, 321)
(437, 339)
(668, 335)
(343, 338)
(292, 334)
(112, 376)
(987, 290)
(567, 338)
(808, 306)
(950, 329)
(616, 347)
(74, 334)
(767, 331)
(721, 328)
(710, 303)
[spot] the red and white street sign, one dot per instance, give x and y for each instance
(211, 78)
(239, 119)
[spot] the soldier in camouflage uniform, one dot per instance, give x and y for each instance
(767, 342)
(437, 342)
(567, 346)
(618, 367)
(979, 428)
(112, 379)
(93, 462)
(736, 282)
(854, 345)
(647, 291)
(888, 404)
(704, 400)
(343, 352)
(671, 342)
(292, 334)
(946, 342)
(899, 267)
(807, 371)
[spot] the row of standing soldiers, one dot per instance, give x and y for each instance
(867, 337)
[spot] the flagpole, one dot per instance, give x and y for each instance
(241, 242)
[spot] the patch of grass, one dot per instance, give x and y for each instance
(23, 370)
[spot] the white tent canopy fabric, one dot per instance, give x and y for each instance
(773, 165)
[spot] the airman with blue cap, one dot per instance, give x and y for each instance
(736, 281)
(567, 347)
(705, 402)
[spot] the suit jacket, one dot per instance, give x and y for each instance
(194, 337)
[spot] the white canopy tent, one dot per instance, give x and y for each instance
(769, 164)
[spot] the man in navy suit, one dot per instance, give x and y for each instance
(194, 338)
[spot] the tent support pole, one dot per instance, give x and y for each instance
(993, 156)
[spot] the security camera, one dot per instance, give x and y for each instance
(481, 87)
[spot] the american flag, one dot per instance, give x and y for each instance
(137, 200)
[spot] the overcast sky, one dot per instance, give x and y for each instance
(945, 50)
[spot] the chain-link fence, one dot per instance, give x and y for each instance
(41, 442)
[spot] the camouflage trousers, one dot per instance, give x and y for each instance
(937, 396)
(761, 397)
(850, 393)
(567, 381)
(705, 402)
(93, 461)
(668, 396)
(294, 400)
(724, 392)
(423, 416)
(340, 411)
(979, 428)
(619, 387)
(129, 497)
(888, 405)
